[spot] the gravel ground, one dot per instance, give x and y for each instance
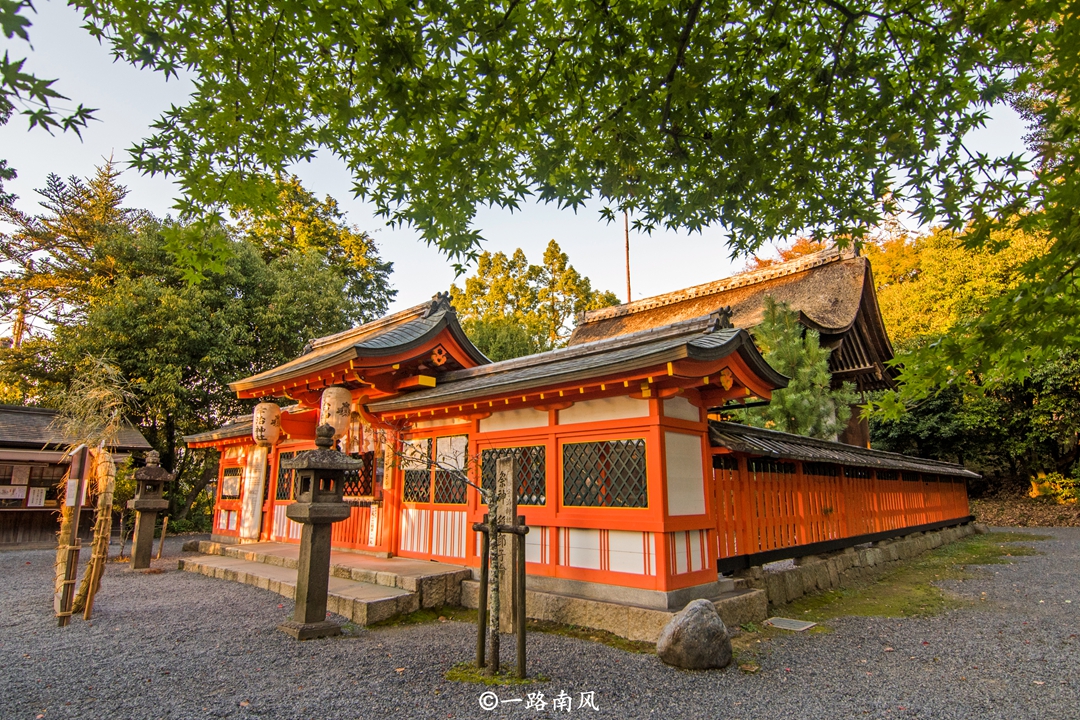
(180, 645)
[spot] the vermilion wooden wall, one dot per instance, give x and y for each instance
(767, 504)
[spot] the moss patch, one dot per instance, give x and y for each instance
(600, 636)
(467, 672)
(429, 615)
(907, 591)
(910, 589)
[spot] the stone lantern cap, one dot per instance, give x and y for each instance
(153, 472)
(323, 457)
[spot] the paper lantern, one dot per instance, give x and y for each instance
(336, 409)
(266, 424)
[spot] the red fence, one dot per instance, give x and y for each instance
(765, 504)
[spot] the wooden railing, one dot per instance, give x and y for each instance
(766, 505)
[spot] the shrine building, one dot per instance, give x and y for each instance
(632, 488)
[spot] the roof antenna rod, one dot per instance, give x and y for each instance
(626, 232)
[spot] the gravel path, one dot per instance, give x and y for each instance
(180, 645)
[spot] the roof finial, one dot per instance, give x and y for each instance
(720, 320)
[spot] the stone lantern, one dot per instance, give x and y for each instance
(320, 483)
(149, 500)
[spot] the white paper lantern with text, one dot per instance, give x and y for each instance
(336, 409)
(266, 424)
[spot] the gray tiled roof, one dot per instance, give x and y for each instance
(770, 443)
(688, 339)
(30, 427)
(237, 427)
(385, 336)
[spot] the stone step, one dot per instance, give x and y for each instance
(736, 607)
(361, 602)
(435, 583)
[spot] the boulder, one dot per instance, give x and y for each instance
(695, 638)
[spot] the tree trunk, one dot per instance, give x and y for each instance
(208, 475)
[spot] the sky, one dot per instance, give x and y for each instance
(129, 100)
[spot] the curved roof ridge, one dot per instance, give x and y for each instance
(423, 309)
(751, 277)
(683, 327)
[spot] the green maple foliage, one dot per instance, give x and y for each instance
(809, 405)
(511, 308)
(768, 119)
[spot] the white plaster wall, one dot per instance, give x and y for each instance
(583, 548)
(438, 422)
(514, 420)
(612, 408)
(685, 474)
(681, 408)
(626, 551)
(536, 545)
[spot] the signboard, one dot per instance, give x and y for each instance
(37, 497)
(12, 492)
(72, 491)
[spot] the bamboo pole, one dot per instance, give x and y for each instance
(105, 477)
(161, 543)
(68, 551)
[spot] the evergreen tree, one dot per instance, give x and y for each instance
(809, 405)
(302, 222)
(510, 308)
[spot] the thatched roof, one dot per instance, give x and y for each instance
(833, 291)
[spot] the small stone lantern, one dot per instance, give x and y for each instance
(149, 500)
(320, 483)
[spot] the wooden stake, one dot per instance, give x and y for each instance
(161, 545)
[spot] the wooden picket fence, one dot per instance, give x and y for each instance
(765, 504)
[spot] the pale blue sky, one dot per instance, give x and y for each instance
(129, 100)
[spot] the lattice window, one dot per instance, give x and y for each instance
(605, 474)
(230, 483)
(887, 475)
(856, 472)
(286, 478)
(417, 486)
(821, 469)
(361, 482)
(531, 481)
(449, 488)
(416, 463)
(910, 476)
(725, 462)
(767, 465)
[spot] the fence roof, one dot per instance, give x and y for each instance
(771, 443)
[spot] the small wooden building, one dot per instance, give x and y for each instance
(33, 463)
(631, 493)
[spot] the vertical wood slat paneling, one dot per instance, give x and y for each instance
(759, 508)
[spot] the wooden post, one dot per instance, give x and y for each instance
(161, 544)
(506, 487)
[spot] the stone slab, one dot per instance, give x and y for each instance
(363, 603)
